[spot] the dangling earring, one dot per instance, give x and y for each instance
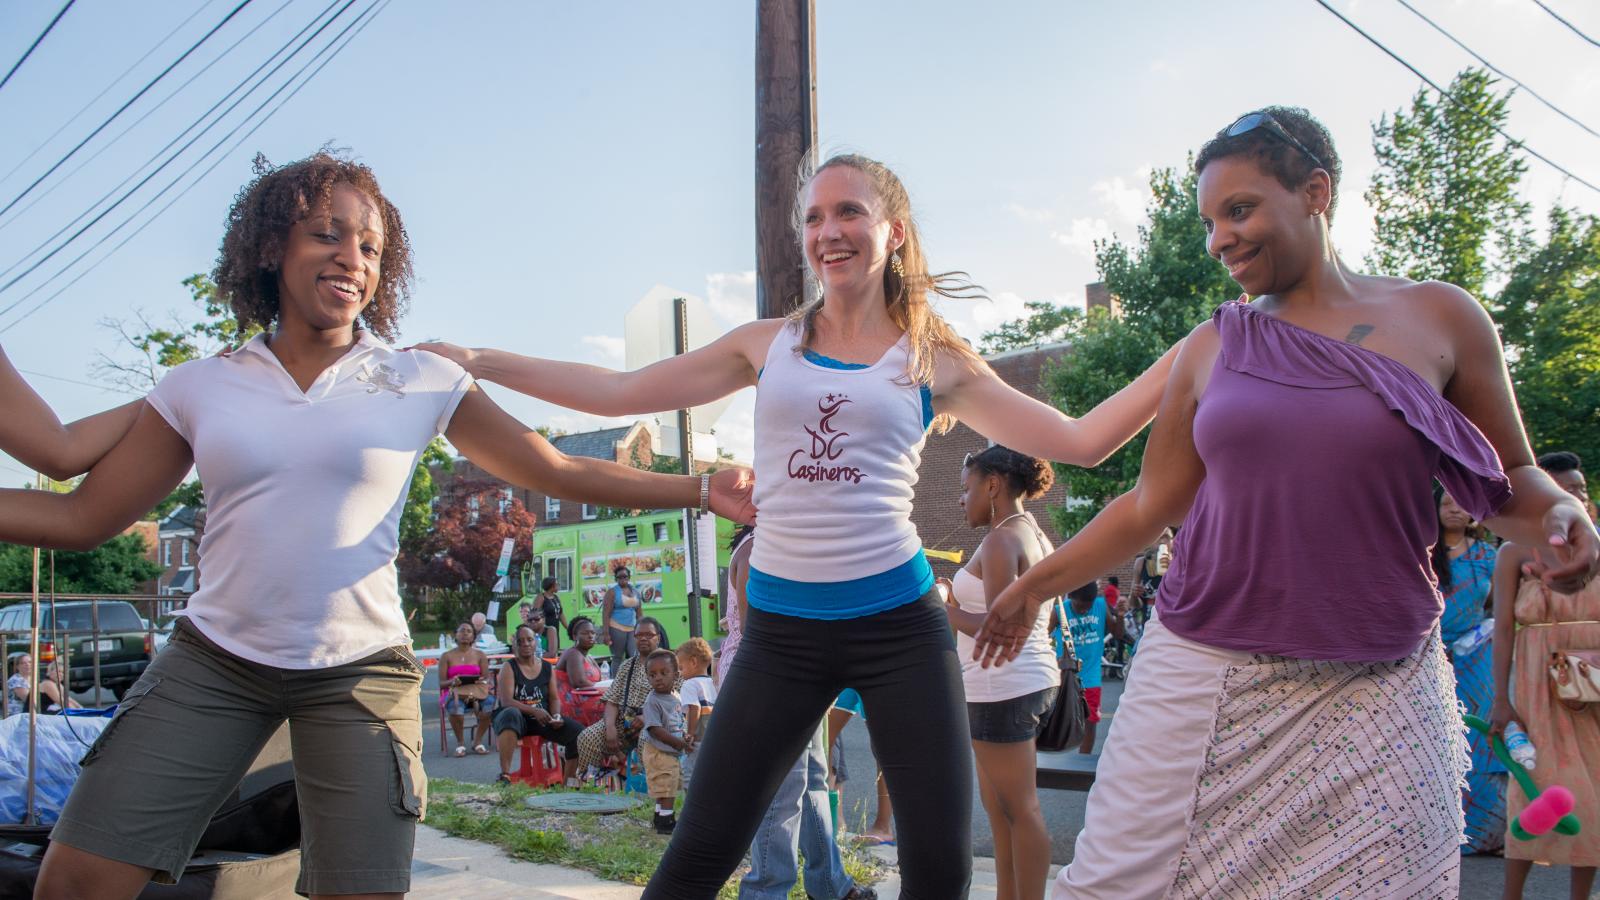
(992, 512)
(896, 266)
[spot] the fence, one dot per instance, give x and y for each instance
(150, 607)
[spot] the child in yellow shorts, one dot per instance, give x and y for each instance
(664, 740)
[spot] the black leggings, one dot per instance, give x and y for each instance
(787, 673)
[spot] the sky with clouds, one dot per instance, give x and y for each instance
(554, 162)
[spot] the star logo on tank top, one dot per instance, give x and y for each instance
(827, 445)
(383, 378)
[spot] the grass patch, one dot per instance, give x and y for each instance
(622, 847)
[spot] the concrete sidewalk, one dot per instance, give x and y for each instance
(447, 868)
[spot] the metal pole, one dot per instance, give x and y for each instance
(31, 814)
(94, 623)
(686, 455)
(786, 134)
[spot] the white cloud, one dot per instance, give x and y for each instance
(732, 296)
(608, 348)
(1080, 237)
(1125, 202)
(736, 429)
(1164, 67)
(1030, 214)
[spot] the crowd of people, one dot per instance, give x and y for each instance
(1297, 609)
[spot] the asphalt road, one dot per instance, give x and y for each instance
(1481, 877)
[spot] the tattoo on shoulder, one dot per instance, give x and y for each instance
(1357, 333)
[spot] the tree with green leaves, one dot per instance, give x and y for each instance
(1445, 194)
(119, 566)
(417, 517)
(1166, 284)
(153, 349)
(1044, 323)
(1549, 317)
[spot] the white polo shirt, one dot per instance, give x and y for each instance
(304, 492)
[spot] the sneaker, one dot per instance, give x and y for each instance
(665, 823)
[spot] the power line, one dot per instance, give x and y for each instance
(364, 20)
(1491, 66)
(142, 91)
(168, 161)
(104, 387)
(1557, 16)
(36, 41)
(136, 123)
(1451, 97)
(104, 91)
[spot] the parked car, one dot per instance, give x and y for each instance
(123, 642)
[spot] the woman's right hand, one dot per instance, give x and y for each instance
(1501, 713)
(604, 637)
(465, 357)
(1006, 628)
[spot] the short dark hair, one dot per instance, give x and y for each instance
(661, 653)
(548, 582)
(1085, 594)
(574, 624)
(1112, 579)
(1560, 461)
(1278, 158)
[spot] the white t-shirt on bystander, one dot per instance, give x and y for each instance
(304, 491)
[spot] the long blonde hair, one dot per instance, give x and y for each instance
(905, 296)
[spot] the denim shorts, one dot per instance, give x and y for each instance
(1010, 721)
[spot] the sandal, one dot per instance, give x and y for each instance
(481, 750)
(460, 752)
(503, 779)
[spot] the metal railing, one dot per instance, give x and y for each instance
(150, 607)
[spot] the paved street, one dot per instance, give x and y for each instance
(1063, 810)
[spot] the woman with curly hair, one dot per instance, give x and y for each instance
(846, 390)
(306, 438)
(1005, 706)
(1290, 728)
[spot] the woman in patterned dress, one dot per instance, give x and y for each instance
(1464, 565)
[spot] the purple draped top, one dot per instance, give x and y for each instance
(1309, 536)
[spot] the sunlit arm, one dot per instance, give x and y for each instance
(513, 452)
(1007, 416)
(144, 466)
(678, 382)
(30, 431)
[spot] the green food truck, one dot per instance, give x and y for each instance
(653, 546)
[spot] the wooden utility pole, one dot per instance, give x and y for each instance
(786, 132)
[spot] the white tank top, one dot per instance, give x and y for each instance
(1034, 669)
(836, 457)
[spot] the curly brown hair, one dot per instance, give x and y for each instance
(258, 227)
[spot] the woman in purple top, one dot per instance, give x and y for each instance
(1290, 728)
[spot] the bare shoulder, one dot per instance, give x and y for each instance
(1445, 304)
(1512, 555)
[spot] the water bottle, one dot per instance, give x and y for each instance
(1473, 639)
(605, 669)
(1518, 746)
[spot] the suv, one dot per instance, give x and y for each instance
(124, 643)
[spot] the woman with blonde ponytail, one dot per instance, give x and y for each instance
(840, 594)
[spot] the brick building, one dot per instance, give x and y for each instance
(150, 534)
(178, 546)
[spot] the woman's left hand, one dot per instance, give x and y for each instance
(1573, 555)
(733, 495)
(461, 356)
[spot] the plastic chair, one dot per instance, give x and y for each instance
(541, 763)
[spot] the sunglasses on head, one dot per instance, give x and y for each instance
(623, 575)
(1251, 121)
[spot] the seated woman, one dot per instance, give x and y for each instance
(53, 692)
(611, 739)
(466, 686)
(531, 708)
(19, 686)
(576, 671)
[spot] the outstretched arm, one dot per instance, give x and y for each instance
(1168, 480)
(30, 431)
(513, 452)
(1540, 516)
(1000, 412)
(149, 461)
(709, 373)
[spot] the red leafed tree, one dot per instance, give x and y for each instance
(474, 519)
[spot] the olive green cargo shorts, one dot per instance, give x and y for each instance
(186, 733)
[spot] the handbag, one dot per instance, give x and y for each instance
(1067, 721)
(1575, 676)
(476, 691)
